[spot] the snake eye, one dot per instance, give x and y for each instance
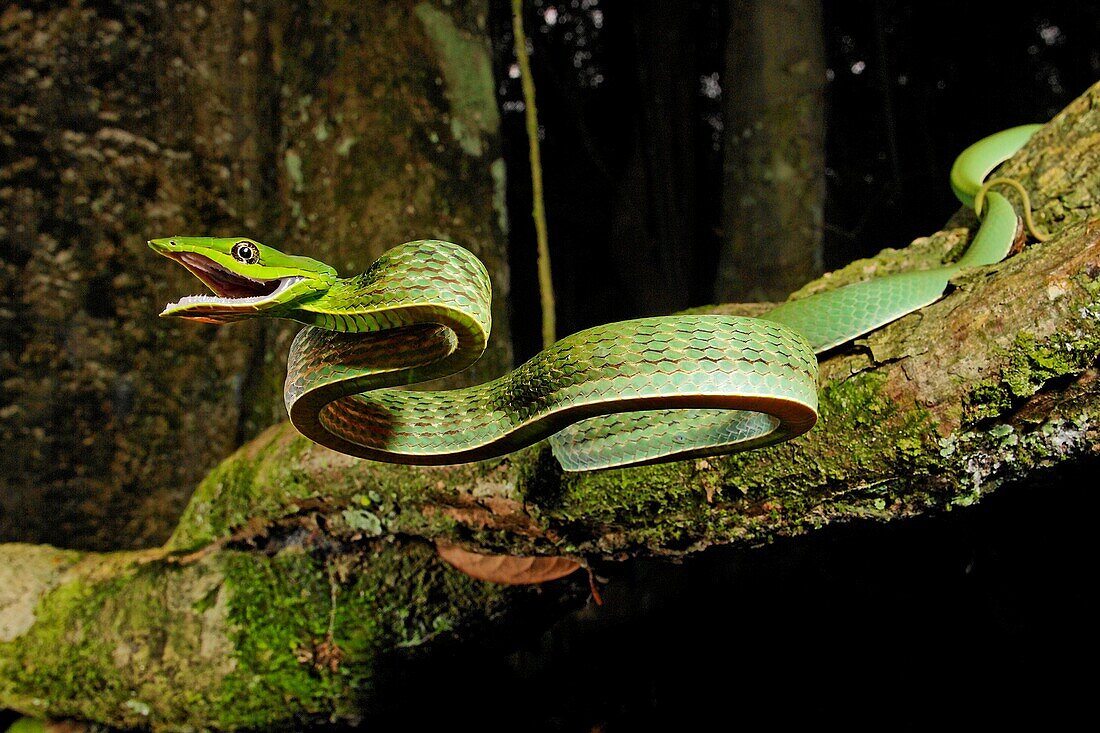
(246, 252)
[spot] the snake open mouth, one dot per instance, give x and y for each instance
(231, 289)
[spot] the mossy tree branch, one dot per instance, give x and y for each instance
(930, 412)
(296, 574)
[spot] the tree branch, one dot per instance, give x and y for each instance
(297, 575)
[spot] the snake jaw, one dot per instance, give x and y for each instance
(235, 295)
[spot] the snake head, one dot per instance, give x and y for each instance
(248, 279)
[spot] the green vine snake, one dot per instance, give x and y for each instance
(633, 392)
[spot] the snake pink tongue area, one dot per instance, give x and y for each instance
(222, 281)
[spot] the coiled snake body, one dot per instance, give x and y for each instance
(632, 392)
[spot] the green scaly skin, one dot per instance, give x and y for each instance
(633, 392)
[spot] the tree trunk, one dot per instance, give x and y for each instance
(773, 192)
(295, 582)
(336, 131)
(655, 210)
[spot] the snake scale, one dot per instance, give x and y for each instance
(626, 393)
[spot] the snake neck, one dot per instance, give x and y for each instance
(357, 305)
(337, 308)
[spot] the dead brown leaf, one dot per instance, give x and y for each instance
(505, 569)
(65, 726)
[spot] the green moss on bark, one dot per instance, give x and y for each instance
(283, 472)
(1031, 364)
(311, 630)
(752, 496)
(110, 635)
(239, 640)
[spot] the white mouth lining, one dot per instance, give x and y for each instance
(284, 284)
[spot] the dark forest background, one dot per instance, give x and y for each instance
(630, 102)
(971, 617)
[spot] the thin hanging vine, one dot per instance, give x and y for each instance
(538, 212)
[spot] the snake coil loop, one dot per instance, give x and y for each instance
(641, 391)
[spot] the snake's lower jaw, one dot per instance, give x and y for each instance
(223, 308)
(207, 316)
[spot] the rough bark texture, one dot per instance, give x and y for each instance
(295, 577)
(336, 130)
(774, 157)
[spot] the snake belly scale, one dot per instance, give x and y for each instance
(626, 393)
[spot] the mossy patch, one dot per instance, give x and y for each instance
(751, 496)
(887, 446)
(281, 473)
(311, 632)
(107, 639)
(237, 640)
(659, 506)
(1032, 363)
(59, 656)
(1029, 364)
(277, 607)
(221, 500)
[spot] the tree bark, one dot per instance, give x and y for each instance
(773, 194)
(297, 577)
(335, 131)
